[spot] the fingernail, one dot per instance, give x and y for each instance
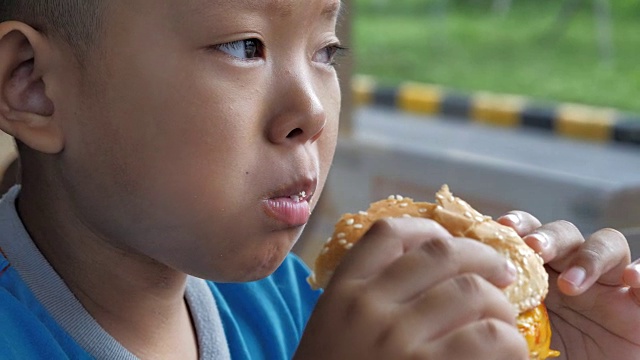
(512, 218)
(575, 276)
(508, 275)
(541, 241)
(511, 269)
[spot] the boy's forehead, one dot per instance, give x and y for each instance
(327, 8)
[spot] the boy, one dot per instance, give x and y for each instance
(163, 142)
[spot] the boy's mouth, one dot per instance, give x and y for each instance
(291, 204)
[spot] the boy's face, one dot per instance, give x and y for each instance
(197, 124)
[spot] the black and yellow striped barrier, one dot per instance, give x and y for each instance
(569, 120)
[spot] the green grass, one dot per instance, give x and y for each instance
(468, 47)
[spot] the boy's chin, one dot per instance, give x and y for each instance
(255, 259)
(264, 268)
(253, 270)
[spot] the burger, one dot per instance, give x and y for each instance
(526, 293)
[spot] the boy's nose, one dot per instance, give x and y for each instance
(299, 115)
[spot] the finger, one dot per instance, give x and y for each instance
(555, 241)
(631, 278)
(446, 306)
(487, 339)
(386, 241)
(603, 258)
(438, 259)
(522, 222)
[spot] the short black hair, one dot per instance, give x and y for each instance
(77, 22)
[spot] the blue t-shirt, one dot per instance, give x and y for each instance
(265, 319)
(262, 320)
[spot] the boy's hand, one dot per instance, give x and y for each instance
(594, 295)
(408, 290)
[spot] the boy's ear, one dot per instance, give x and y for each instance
(26, 111)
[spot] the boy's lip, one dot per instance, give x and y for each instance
(289, 204)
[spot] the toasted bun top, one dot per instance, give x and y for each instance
(461, 220)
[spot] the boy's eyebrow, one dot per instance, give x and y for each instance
(283, 7)
(332, 9)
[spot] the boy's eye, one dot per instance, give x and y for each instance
(243, 49)
(327, 54)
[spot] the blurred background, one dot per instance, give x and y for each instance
(584, 51)
(556, 54)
